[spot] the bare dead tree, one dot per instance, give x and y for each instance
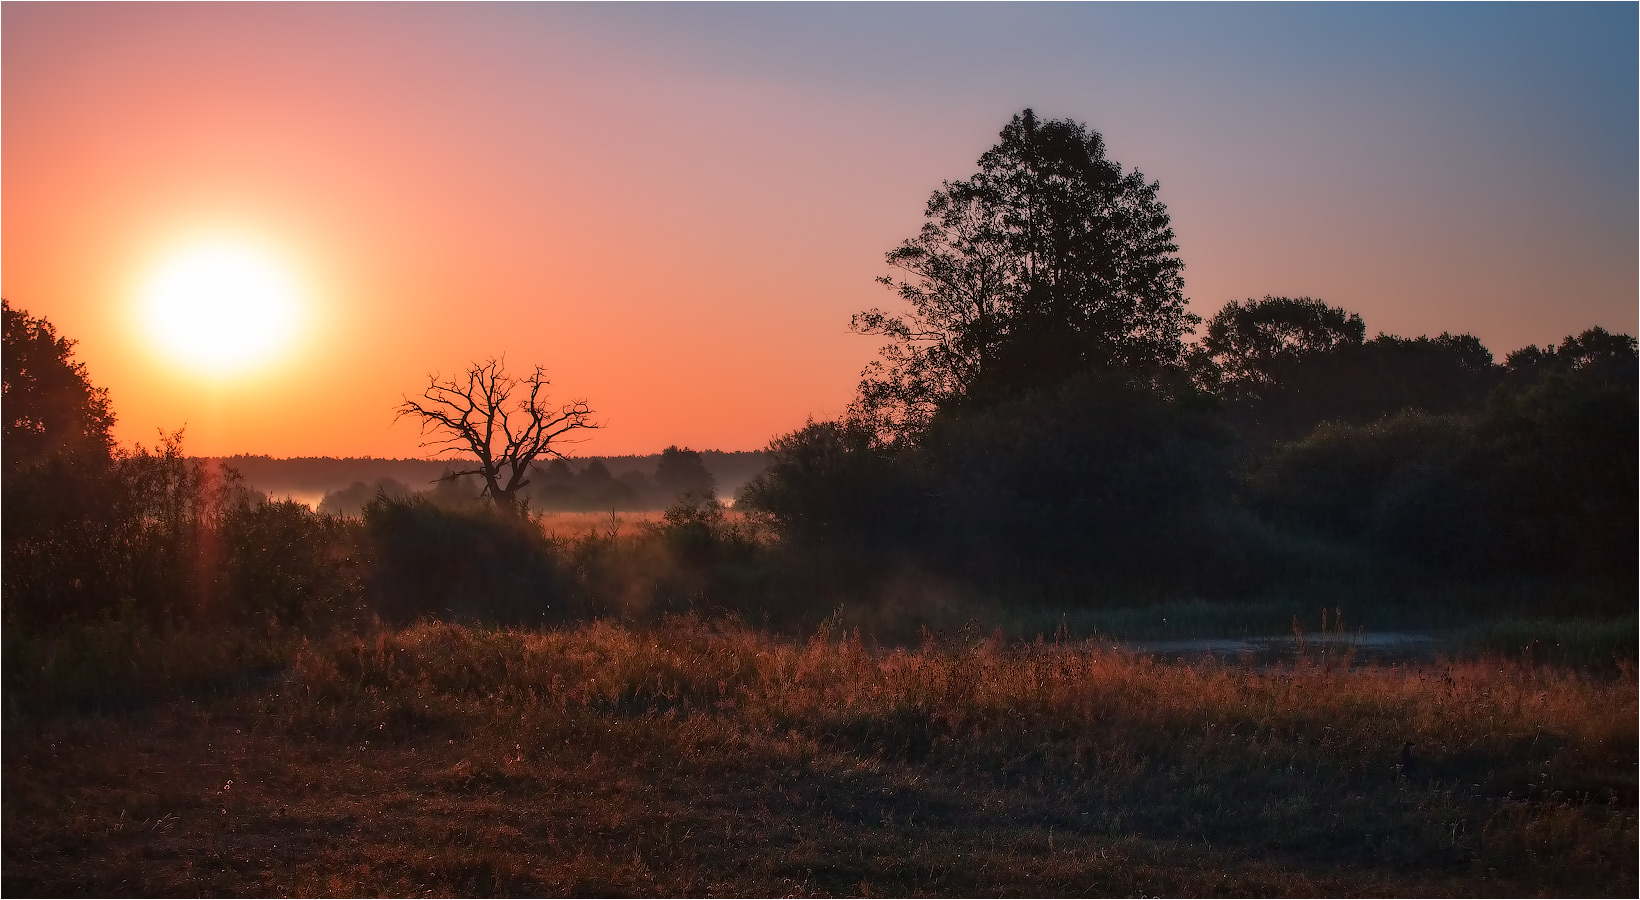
(507, 435)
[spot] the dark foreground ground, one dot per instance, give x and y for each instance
(704, 760)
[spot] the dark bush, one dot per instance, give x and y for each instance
(1344, 480)
(694, 528)
(1559, 461)
(287, 564)
(1099, 478)
(834, 486)
(472, 564)
(1360, 383)
(1541, 484)
(86, 535)
(171, 539)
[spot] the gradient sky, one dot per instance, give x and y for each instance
(676, 208)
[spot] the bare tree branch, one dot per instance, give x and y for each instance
(467, 417)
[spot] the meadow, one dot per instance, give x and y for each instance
(705, 757)
(950, 643)
(560, 524)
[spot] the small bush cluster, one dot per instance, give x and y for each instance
(463, 564)
(1431, 468)
(173, 540)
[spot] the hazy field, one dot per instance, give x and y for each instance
(700, 759)
(581, 524)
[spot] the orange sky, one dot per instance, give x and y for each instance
(679, 227)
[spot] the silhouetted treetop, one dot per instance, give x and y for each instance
(50, 404)
(596, 473)
(683, 471)
(1248, 343)
(1596, 353)
(1050, 260)
(1289, 363)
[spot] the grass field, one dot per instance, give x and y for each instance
(700, 758)
(581, 524)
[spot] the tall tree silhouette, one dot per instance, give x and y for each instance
(1049, 261)
(51, 406)
(505, 422)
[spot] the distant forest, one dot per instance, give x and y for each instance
(592, 483)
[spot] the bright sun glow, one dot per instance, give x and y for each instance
(221, 308)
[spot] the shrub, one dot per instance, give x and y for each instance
(1539, 484)
(289, 565)
(1100, 480)
(473, 564)
(86, 535)
(173, 540)
(1097, 477)
(832, 486)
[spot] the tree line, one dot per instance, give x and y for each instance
(1039, 426)
(1037, 419)
(556, 485)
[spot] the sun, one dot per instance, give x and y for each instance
(221, 308)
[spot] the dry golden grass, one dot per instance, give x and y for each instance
(694, 758)
(582, 524)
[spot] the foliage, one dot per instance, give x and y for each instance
(84, 537)
(288, 565)
(51, 407)
(474, 564)
(171, 539)
(1097, 481)
(1560, 461)
(1596, 356)
(836, 486)
(696, 558)
(694, 525)
(1362, 383)
(1047, 262)
(682, 471)
(1097, 478)
(1342, 478)
(1252, 346)
(1540, 483)
(95, 532)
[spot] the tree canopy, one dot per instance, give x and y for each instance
(51, 406)
(1049, 261)
(1251, 343)
(682, 471)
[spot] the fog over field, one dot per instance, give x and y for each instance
(308, 479)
